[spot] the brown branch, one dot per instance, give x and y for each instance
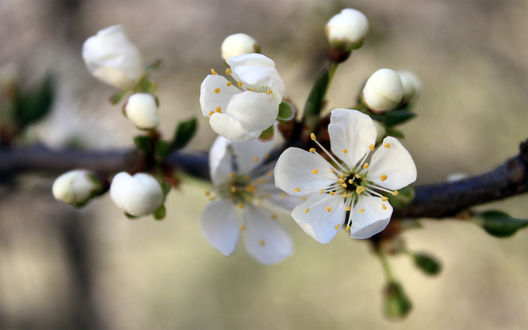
(437, 200)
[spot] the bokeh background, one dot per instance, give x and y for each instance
(61, 268)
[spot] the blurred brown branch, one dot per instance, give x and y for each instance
(436, 200)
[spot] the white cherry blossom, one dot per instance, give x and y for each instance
(240, 108)
(349, 187)
(241, 202)
(137, 195)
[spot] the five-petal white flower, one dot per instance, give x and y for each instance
(240, 109)
(245, 192)
(353, 182)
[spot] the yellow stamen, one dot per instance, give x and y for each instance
(343, 195)
(217, 90)
(360, 189)
(344, 185)
(274, 217)
(307, 210)
(383, 198)
(304, 198)
(228, 83)
(366, 165)
(228, 71)
(219, 110)
(297, 189)
(347, 228)
(251, 89)
(255, 159)
(262, 243)
(357, 176)
(312, 150)
(371, 147)
(345, 151)
(232, 175)
(383, 177)
(269, 173)
(240, 205)
(332, 170)
(361, 211)
(337, 227)
(395, 192)
(233, 189)
(347, 208)
(211, 112)
(207, 193)
(350, 181)
(269, 92)
(315, 171)
(383, 206)
(328, 209)
(332, 193)
(283, 195)
(242, 227)
(341, 180)
(312, 136)
(321, 191)
(213, 71)
(239, 84)
(387, 145)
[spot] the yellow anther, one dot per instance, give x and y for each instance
(332, 193)
(211, 112)
(342, 176)
(349, 195)
(232, 175)
(356, 176)
(262, 243)
(240, 205)
(366, 165)
(274, 216)
(332, 170)
(383, 206)
(361, 211)
(328, 209)
(384, 199)
(395, 192)
(207, 193)
(304, 198)
(251, 89)
(347, 208)
(217, 90)
(239, 84)
(383, 177)
(213, 71)
(371, 147)
(347, 228)
(386, 145)
(344, 185)
(341, 180)
(242, 227)
(255, 159)
(212, 198)
(360, 189)
(307, 210)
(315, 171)
(269, 173)
(350, 181)
(228, 71)
(343, 195)
(260, 181)
(321, 191)
(219, 109)
(269, 92)
(233, 189)
(297, 189)
(283, 195)
(312, 136)
(312, 150)
(337, 227)
(345, 151)
(228, 83)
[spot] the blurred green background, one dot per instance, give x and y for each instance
(63, 268)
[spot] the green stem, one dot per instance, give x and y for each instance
(315, 101)
(386, 267)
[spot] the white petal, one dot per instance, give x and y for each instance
(250, 59)
(294, 172)
(284, 201)
(220, 227)
(137, 195)
(214, 94)
(315, 218)
(265, 239)
(249, 155)
(254, 111)
(220, 161)
(391, 165)
(257, 70)
(230, 128)
(369, 217)
(351, 135)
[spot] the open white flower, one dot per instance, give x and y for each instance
(111, 57)
(241, 108)
(351, 186)
(245, 193)
(238, 44)
(142, 110)
(137, 195)
(76, 187)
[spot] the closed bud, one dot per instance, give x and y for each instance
(142, 110)
(411, 86)
(239, 44)
(347, 30)
(383, 91)
(428, 264)
(396, 304)
(76, 187)
(137, 195)
(111, 57)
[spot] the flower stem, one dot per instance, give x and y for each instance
(315, 101)
(385, 265)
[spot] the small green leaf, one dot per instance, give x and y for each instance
(34, 104)
(153, 66)
(161, 150)
(130, 216)
(404, 197)
(160, 213)
(165, 187)
(315, 101)
(116, 98)
(267, 134)
(286, 112)
(394, 117)
(428, 264)
(391, 131)
(146, 85)
(184, 133)
(500, 224)
(396, 304)
(143, 144)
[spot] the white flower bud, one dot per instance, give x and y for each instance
(239, 44)
(75, 187)
(111, 57)
(142, 110)
(347, 30)
(411, 86)
(137, 195)
(383, 90)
